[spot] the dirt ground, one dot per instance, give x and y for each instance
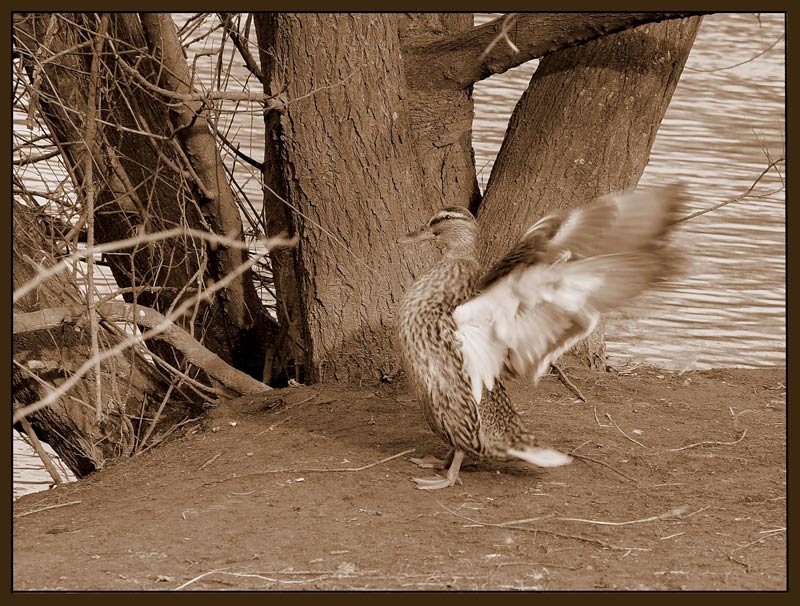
(683, 487)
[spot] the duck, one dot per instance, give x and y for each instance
(463, 331)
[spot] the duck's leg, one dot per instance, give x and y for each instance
(438, 481)
(431, 462)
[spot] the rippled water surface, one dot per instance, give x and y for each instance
(728, 308)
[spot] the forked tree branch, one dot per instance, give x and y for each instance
(119, 311)
(163, 325)
(240, 42)
(461, 60)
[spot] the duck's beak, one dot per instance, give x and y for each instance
(419, 235)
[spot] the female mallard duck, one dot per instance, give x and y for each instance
(462, 331)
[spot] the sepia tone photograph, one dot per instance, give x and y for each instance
(398, 301)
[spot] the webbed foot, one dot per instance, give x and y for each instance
(435, 483)
(438, 481)
(429, 462)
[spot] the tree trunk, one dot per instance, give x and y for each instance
(441, 114)
(582, 129)
(363, 149)
(146, 179)
(341, 157)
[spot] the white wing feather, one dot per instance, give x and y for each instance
(484, 354)
(526, 319)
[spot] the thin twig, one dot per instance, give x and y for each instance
(505, 27)
(604, 464)
(761, 540)
(576, 537)
(565, 380)
(89, 200)
(241, 45)
(40, 451)
(526, 520)
(34, 159)
(732, 559)
(167, 433)
(734, 199)
(313, 469)
(599, 424)
(156, 417)
(212, 95)
(197, 578)
(623, 433)
(670, 514)
(209, 462)
(27, 513)
(709, 443)
(694, 513)
(579, 446)
(753, 58)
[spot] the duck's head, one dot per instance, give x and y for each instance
(454, 228)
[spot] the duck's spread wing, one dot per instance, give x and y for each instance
(548, 293)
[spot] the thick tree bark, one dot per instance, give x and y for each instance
(146, 179)
(475, 54)
(333, 143)
(341, 155)
(441, 116)
(582, 129)
(242, 304)
(130, 386)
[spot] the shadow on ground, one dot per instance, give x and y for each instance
(683, 487)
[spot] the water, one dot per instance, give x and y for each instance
(29, 472)
(728, 309)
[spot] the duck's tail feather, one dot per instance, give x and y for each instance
(542, 457)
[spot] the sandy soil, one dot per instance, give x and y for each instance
(683, 487)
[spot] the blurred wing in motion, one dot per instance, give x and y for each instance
(548, 293)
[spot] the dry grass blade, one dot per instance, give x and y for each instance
(575, 537)
(314, 469)
(672, 513)
(709, 443)
(57, 505)
(566, 381)
(608, 416)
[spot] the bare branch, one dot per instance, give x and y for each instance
(40, 451)
(740, 63)
(144, 239)
(159, 328)
(89, 204)
(473, 55)
(212, 95)
(34, 159)
(240, 154)
(741, 196)
(241, 45)
(38, 509)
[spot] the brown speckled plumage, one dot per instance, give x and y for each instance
(433, 360)
(460, 330)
